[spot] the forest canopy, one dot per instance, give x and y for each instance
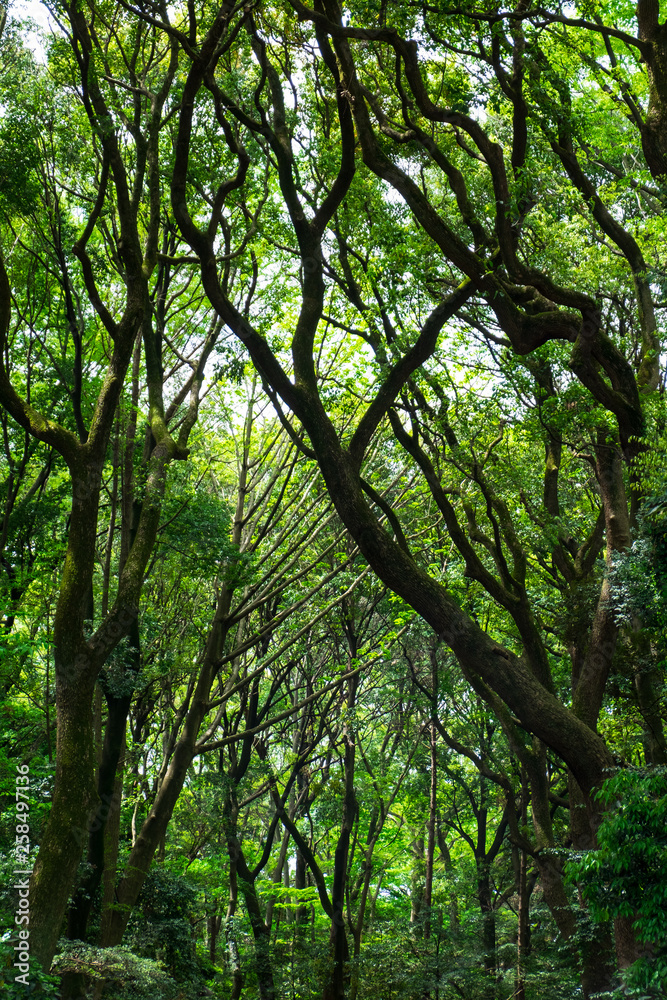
(333, 500)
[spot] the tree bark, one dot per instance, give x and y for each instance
(113, 746)
(654, 131)
(488, 912)
(336, 986)
(155, 825)
(430, 831)
(233, 956)
(66, 830)
(523, 930)
(111, 847)
(260, 930)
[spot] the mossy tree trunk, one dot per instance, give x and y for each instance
(78, 660)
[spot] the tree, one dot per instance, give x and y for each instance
(527, 302)
(82, 317)
(470, 276)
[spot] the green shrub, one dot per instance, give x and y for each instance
(39, 984)
(115, 973)
(627, 875)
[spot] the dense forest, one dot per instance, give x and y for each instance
(333, 500)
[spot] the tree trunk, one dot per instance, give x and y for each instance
(648, 687)
(417, 879)
(549, 865)
(155, 825)
(430, 826)
(260, 930)
(214, 924)
(233, 957)
(109, 803)
(280, 871)
(111, 845)
(67, 826)
(300, 882)
(597, 950)
(523, 931)
(485, 900)
(654, 130)
(336, 986)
